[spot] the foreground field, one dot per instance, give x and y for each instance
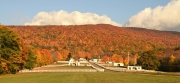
(98, 77)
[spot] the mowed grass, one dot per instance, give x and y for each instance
(96, 77)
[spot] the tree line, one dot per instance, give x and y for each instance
(162, 60)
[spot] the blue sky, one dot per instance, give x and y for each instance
(17, 12)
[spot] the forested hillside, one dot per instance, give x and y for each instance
(99, 37)
(101, 41)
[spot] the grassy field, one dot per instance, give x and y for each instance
(97, 77)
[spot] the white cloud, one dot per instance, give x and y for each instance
(160, 18)
(73, 18)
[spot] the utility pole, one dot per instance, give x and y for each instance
(108, 61)
(128, 58)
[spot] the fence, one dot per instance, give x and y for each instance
(112, 69)
(98, 69)
(116, 69)
(72, 70)
(54, 65)
(126, 70)
(62, 61)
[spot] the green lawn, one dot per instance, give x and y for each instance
(96, 77)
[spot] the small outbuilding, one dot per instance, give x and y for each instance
(118, 64)
(95, 60)
(134, 68)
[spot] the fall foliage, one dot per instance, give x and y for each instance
(36, 46)
(96, 39)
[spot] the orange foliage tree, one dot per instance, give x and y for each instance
(120, 59)
(105, 58)
(126, 61)
(115, 58)
(47, 56)
(64, 54)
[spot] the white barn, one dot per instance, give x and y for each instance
(118, 64)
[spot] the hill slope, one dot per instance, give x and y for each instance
(100, 38)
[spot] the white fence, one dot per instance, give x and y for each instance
(62, 61)
(125, 69)
(116, 69)
(98, 69)
(72, 70)
(112, 69)
(55, 65)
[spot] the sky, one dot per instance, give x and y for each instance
(151, 14)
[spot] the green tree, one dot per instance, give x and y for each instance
(31, 61)
(10, 51)
(149, 60)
